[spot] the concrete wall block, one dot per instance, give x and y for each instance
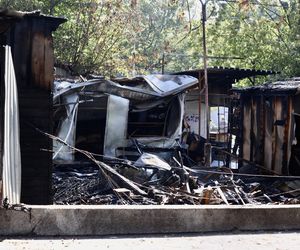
(123, 220)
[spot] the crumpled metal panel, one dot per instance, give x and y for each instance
(116, 124)
(152, 160)
(67, 131)
(170, 84)
(144, 93)
(147, 87)
(11, 146)
(167, 141)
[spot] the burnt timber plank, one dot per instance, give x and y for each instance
(32, 47)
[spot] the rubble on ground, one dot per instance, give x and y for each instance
(146, 153)
(151, 180)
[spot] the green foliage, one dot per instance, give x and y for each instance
(91, 38)
(125, 37)
(22, 5)
(265, 36)
(154, 30)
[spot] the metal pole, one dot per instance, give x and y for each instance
(207, 152)
(219, 133)
(163, 63)
(203, 4)
(199, 102)
(133, 66)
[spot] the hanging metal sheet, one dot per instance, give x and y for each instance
(67, 131)
(11, 152)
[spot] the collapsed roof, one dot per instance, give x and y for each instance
(141, 107)
(289, 86)
(140, 88)
(223, 75)
(9, 17)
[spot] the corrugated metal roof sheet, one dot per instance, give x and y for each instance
(291, 86)
(223, 73)
(11, 145)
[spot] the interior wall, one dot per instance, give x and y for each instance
(191, 111)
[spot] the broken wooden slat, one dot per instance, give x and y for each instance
(120, 178)
(222, 195)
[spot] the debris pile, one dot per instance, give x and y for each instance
(151, 180)
(145, 152)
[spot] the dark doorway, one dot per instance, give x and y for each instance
(90, 129)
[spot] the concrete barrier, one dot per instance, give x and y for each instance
(123, 220)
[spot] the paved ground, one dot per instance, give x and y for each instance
(278, 241)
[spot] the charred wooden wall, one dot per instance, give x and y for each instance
(32, 47)
(267, 132)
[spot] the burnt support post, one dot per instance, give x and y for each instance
(207, 154)
(163, 63)
(29, 34)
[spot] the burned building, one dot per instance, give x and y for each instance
(109, 117)
(128, 131)
(27, 62)
(220, 82)
(117, 167)
(270, 125)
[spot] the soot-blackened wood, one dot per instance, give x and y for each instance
(31, 41)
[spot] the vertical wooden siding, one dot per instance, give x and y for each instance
(268, 131)
(32, 47)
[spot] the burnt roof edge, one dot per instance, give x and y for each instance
(224, 69)
(14, 16)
